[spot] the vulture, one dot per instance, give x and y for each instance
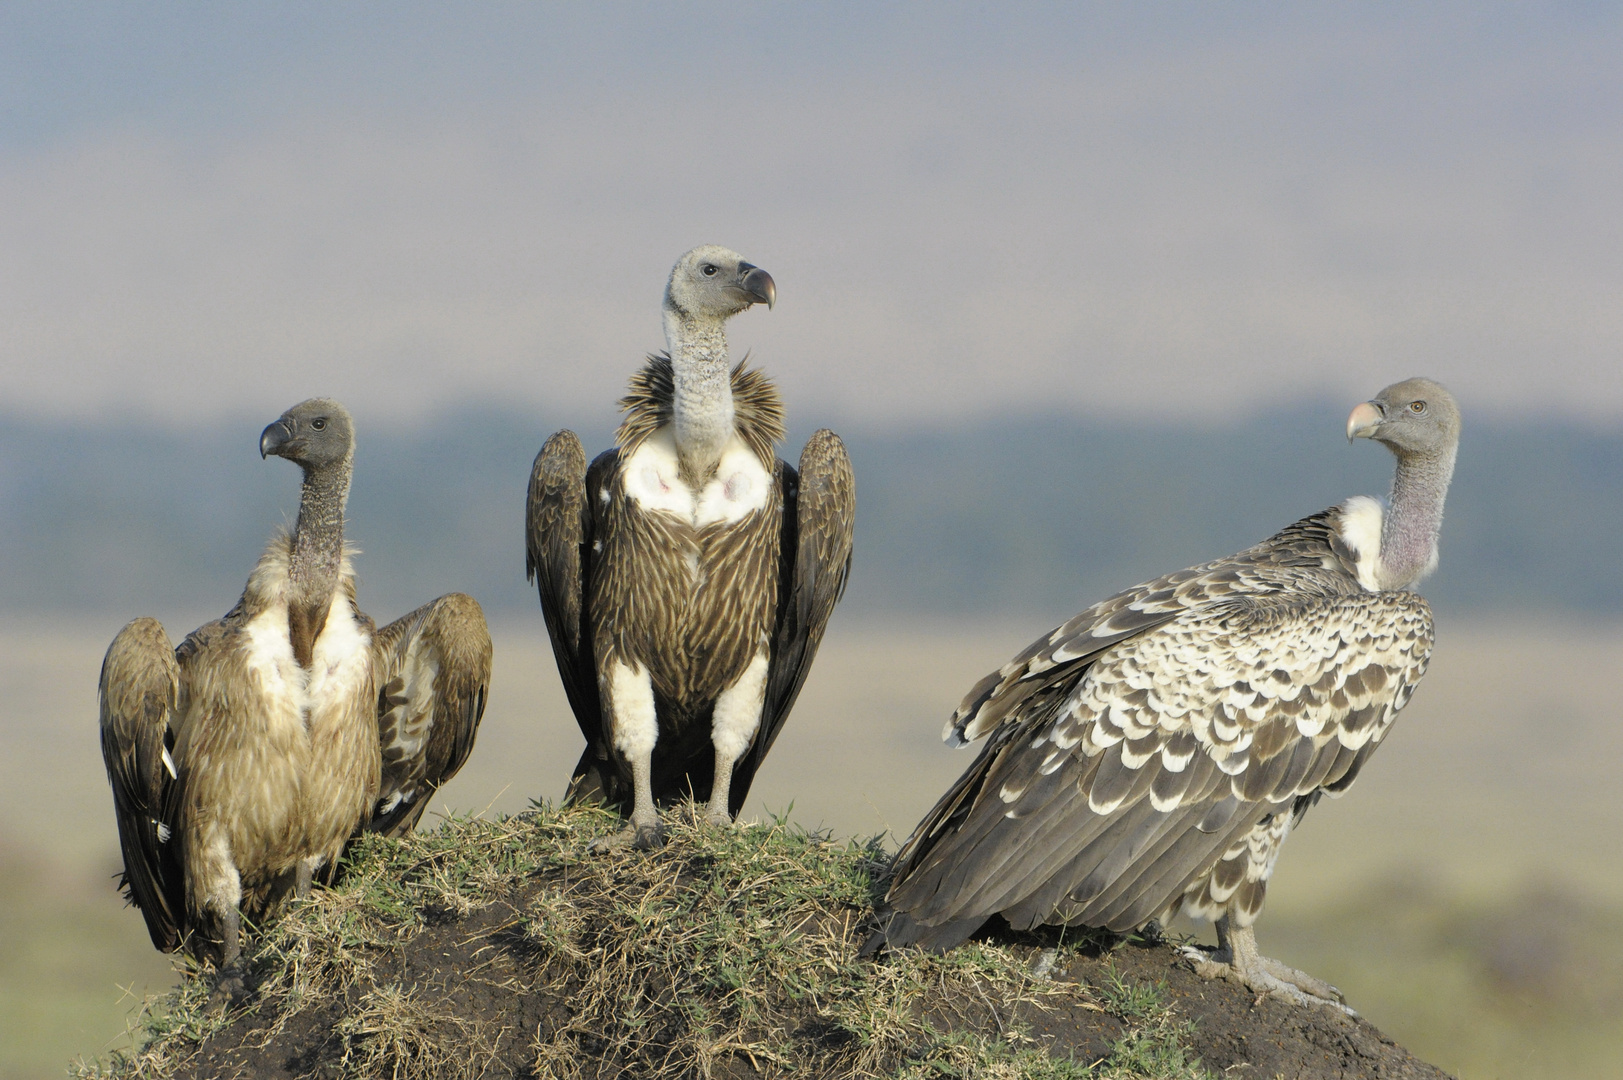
(687, 575)
(1151, 755)
(243, 761)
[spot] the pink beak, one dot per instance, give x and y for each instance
(1365, 418)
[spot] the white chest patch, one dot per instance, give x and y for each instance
(740, 487)
(1361, 519)
(339, 662)
(270, 656)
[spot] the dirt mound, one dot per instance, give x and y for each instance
(501, 948)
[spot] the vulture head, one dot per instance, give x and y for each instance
(315, 434)
(1414, 418)
(712, 283)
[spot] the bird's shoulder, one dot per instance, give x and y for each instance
(1305, 558)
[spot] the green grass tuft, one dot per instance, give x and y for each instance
(726, 947)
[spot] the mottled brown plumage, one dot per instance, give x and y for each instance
(243, 760)
(631, 570)
(274, 763)
(433, 673)
(1150, 755)
(687, 575)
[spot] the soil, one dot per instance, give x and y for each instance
(482, 984)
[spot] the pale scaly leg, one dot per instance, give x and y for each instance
(1236, 958)
(733, 724)
(636, 729)
(218, 889)
(232, 985)
(306, 876)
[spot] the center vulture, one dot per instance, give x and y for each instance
(686, 576)
(1151, 755)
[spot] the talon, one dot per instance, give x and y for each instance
(1241, 963)
(616, 841)
(649, 837)
(229, 989)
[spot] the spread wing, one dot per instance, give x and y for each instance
(433, 672)
(819, 514)
(140, 686)
(1102, 799)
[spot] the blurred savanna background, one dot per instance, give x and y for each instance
(1089, 291)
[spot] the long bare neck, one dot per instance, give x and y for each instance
(1414, 518)
(318, 553)
(702, 406)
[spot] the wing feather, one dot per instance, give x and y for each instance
(1305, 558)
(139, 690)
(558, 534)
(1175, 745)
(819, 520)
(433, 675)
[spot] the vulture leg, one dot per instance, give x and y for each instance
(733, 724)
(306, 877)
(643, 832)
(1236, 958)
(635, 727)
(231, 987)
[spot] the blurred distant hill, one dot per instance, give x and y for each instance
(1027, 515)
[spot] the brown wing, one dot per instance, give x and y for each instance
(558, 525)
(140, 686)
(1104, 802)
(433, 673)
(819, 516)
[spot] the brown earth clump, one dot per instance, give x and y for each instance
(503, 948)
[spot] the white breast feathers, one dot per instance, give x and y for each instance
(740, 486)
(339, 663)
(1361, 520)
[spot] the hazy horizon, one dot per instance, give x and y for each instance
(1175, 212)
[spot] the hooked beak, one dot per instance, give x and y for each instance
(1365, 418)
(758, 285)
(274, 438)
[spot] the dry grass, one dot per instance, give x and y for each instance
(729, 952)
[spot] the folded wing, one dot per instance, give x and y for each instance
(1104, 801)
(433, 674)
(819, 516)
(140, 684)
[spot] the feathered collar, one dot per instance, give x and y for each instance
(269, 584)
(758, 412)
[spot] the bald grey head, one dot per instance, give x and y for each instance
(707, 286)
(315, 434)
(1419, 422)
(713, 283)
(1413, 417)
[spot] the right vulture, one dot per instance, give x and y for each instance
(1151, 755)
(687, 575)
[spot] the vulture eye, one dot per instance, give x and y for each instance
(1417, 407)
(319, 423)
(709, 270)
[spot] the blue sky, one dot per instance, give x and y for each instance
(1187, 212)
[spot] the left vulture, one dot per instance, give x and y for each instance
(243, 761)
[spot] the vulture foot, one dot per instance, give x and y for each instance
(1236, 958)
(633, 836)
(719, 818)
(229, 989)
